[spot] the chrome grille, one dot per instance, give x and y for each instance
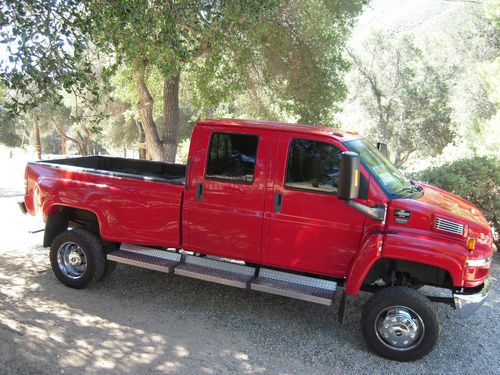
(449, 226)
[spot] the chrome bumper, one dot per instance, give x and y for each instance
(468, 304)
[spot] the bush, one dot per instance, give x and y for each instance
(476, 180)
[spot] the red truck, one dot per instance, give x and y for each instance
(279, 208)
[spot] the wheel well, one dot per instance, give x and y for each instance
(404, 272)
(63, 217)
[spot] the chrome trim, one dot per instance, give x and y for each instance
(479, 262)
(449, 226)
(468, 304)
(71, 260)
(399, 328)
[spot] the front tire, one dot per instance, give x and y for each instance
(399, 323)
(77, 258)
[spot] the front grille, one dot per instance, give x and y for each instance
(449, 226)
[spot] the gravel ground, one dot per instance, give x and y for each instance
(140, 322)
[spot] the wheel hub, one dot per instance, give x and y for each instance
(75, 259)
(399, 328)
(71, 260)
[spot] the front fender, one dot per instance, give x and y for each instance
(370, 251)
(405, 246)
(430, 250)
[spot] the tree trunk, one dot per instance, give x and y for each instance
(64, 136)
(63, 144)
(38, 145)
(145, 107)
(171, 116)
(142, 140)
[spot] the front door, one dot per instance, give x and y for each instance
(310, 230)
(226, 201)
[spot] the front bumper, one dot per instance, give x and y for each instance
(468, 304)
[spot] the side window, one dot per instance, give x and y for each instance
(231, 157)
(313, 165)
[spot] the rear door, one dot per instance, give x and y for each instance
(227, 192)
(310, 230)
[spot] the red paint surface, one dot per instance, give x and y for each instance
(314, 233)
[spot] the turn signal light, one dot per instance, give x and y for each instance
(471, 243)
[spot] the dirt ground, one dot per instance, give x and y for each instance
(141, 322)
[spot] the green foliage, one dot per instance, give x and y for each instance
(290, 64)
(406, 96)
(47, 48)
(476, 180)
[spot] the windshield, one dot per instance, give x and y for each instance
(392, 180)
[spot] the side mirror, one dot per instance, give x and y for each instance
(349, 176)
(382, 147)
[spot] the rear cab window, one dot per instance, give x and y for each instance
(232, 157)
(313, 166)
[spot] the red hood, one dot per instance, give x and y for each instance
(453, 205)
(436, 202)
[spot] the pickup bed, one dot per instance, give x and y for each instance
(279, 208)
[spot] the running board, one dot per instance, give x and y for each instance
(146, 257)
(227, 273)
(295, 286)
(215, 271)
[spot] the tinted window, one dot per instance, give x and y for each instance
(313, 165)
(232, 157)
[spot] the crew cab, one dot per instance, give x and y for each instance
(293, 210)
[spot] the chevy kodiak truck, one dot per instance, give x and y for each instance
(278, 208)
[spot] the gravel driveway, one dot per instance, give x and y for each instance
(141, 322)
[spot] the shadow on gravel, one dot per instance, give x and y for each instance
(139, 320)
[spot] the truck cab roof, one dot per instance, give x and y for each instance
(340, 135)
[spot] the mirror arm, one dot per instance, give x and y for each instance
(376, 213)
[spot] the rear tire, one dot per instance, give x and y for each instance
(77, 258)
(400, 324)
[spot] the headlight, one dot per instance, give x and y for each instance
(485, 262)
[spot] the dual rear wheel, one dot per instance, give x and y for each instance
(78, 258)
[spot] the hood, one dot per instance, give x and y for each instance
(436, 203)
(453, 205)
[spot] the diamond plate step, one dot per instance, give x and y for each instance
(295, 286)
(216, 271)
(145, 257)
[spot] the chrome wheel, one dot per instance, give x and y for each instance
(71, 260)
(399, 328)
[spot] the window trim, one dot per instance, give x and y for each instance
(225, 179)
(287, 187)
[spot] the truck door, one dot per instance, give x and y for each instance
(227, 192)
(310, 230)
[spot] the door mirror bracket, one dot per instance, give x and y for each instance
(376, 213)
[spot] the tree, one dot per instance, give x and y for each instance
(8, 134)
(47, 45)
(406, 97)
(290, 47)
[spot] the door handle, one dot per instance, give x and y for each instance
(278, 202)
(199, 191)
